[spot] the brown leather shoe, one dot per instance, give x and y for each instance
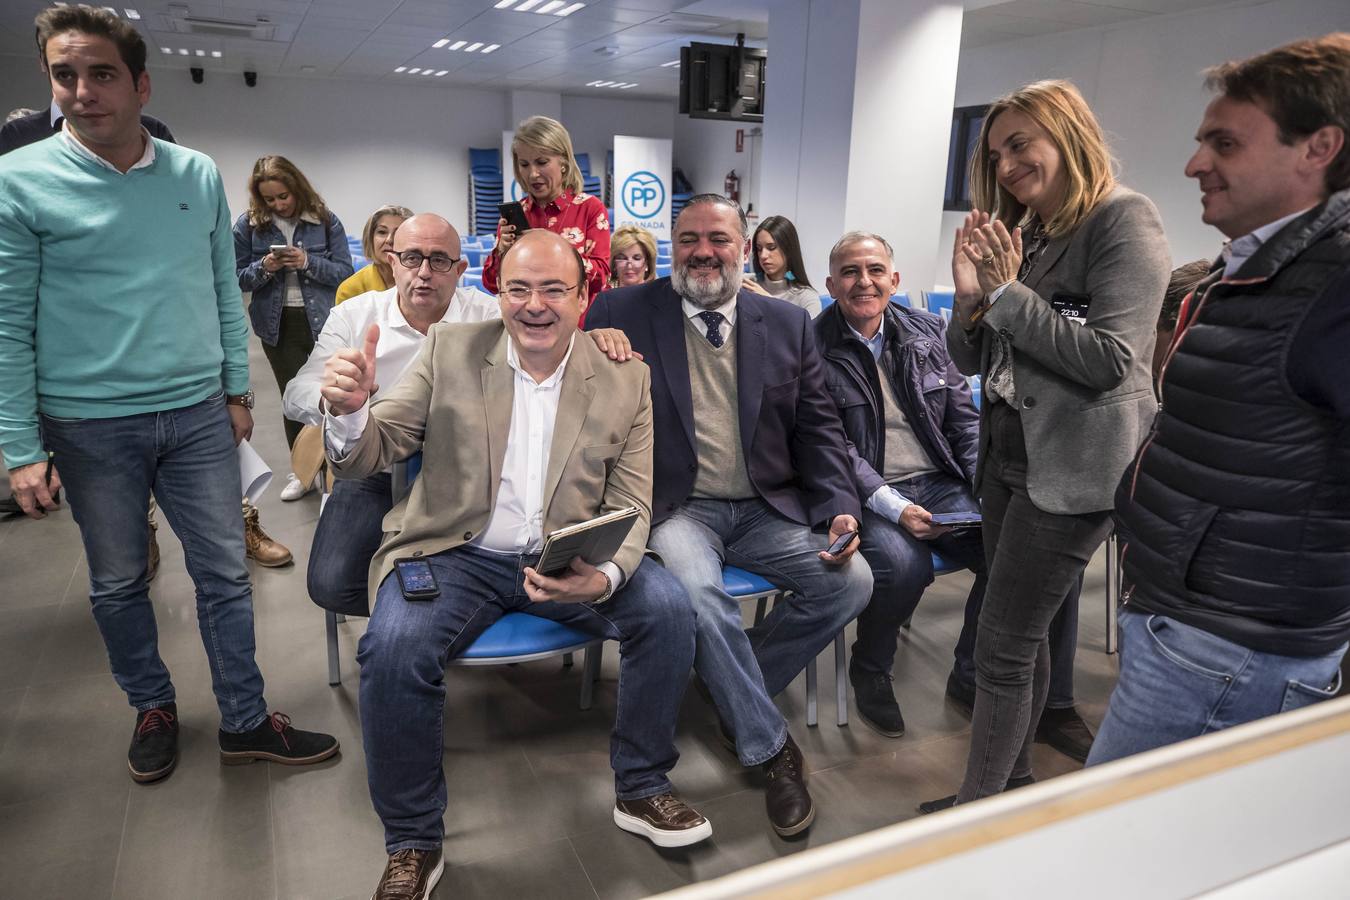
(410, 875)
(152, 560)
(257, 545)
(665, 820)
(790, 808)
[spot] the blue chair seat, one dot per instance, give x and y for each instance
(521, 635)
(740, 583)
(944, 566)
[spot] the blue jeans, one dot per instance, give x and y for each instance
(407, 645)
(745, 669)
(347, 536)
(187, 458)
(1178, 681)
(902, 568)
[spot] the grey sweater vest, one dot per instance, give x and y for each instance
(717, 432)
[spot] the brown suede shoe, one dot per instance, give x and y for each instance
(257, 545)
(410, 875)
(665, 820)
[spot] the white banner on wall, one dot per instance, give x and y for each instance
(510, 190)
(642, 184)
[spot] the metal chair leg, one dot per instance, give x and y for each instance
(334, 662)
(590, 673)
(840, 681)
(1113, 577)
(811, 717)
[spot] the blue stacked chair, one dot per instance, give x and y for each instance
(485, 189)
(590, 183)
(939, 303)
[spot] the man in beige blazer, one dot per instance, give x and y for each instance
(568, 437)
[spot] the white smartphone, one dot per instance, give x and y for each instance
(278, 249)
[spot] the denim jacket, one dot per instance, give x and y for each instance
(330, 263)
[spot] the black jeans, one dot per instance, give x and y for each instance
(1035, 558)
(290, 353)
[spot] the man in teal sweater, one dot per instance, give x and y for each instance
(123, 351)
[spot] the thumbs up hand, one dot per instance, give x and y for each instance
(349, 376)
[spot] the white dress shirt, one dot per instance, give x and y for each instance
(398, 346)
(728, 311)
(1237, 252)
(147, 156)
(885, 501)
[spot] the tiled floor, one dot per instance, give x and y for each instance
(530, 785)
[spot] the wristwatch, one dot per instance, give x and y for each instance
(245, 399)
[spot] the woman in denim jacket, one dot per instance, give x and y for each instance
(291, 252)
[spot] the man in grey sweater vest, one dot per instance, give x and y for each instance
(750, 470)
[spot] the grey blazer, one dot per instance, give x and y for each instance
(1085, 391)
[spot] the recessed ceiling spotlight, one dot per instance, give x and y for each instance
(625, 87)
(441, 43)
(472, 47)
(132, 14)
(216, 54)
(201, 52)
(413, 71)
(567, 11)
(550, 6)
(442, 73)
(673, 62)
(503, 4)
(490, 47)
(182, 51)
(428, 72)
(167, 49)
(401, 69)
(528, 5)
(457, 44)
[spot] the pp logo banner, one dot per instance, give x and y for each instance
(643, 195)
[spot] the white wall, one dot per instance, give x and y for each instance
(362, 144)
(705, 150)
(1143, 81)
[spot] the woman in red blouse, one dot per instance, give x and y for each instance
(546, 170)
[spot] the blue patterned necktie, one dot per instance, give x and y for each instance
(714, 322)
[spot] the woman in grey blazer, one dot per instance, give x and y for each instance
(1059, 276)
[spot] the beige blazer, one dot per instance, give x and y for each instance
(454, 405)
(1085, 392)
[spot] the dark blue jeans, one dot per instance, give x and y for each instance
(187, 457)
(744, 669)
(348, 534)
(1178, 681)
(902, 569)
(405, 649)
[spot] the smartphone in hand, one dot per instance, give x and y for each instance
(841, 542)
(514, 214)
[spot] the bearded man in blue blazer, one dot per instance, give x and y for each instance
(750, 470)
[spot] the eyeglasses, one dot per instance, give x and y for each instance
(554, 293)
(413, 259)
(625, 261)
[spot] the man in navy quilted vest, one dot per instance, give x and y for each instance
(1236, 514)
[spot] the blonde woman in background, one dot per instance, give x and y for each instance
(377, 238)
(632, 255)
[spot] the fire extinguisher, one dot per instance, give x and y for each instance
(732, 186)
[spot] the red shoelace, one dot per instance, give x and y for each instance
(155, 719)
(280, 723)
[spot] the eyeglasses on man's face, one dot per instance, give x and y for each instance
(413, 259)
(553, 293)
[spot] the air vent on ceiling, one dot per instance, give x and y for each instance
(211, 26)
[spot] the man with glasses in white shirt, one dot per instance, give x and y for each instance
(524, 429)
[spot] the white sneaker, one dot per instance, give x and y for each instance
(294, 490)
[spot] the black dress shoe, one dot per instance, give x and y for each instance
(154, 744)
(1066, 731)
(787, 800)
(933, 806)
(875, 698)
(961, 693)
(274, 740)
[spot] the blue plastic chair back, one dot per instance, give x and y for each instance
(939, 303)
